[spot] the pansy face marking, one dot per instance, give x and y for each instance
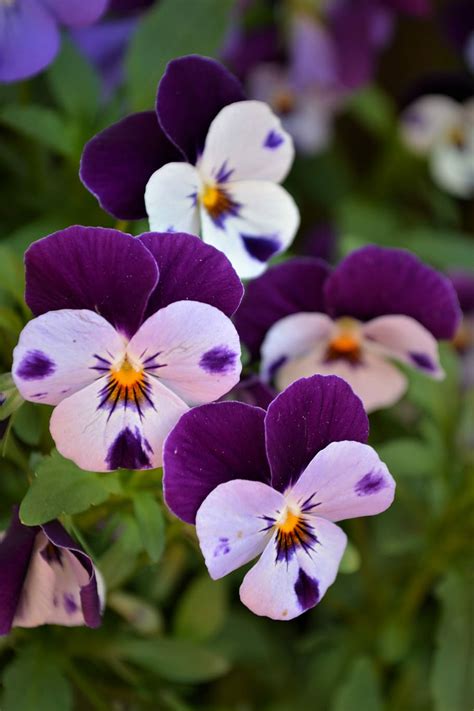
(128, 382)
(346, 342)
(218, 203)
(293, 529)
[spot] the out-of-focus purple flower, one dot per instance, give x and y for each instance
(458, 22)
(463, 282)
(46, 579)
(30, 32)
(273, 483)
(377, 305)
(130, 332)
(105, 43)
(253, 391)
(207, 162)
(320, 242)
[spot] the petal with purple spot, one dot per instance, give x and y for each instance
(171, 199)
(210, 445)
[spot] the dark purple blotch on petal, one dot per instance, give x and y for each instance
(222, 547)
(421, 360)
(70, 604)
(307, 590)
(35, 366)
(261, 248)
(128, 451)
(273, 140)
(370, 483)
(218, 360)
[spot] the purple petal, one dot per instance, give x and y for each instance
(463, 283)
(191, 270)
(210, 445)
(411, 7)
(77, 13)
(29, 40)
(377, 281)
(458, 22)
(91, 606)
(321, 242)
(252, 391)
(313, 55)
(306, 417)
(296, 285)
(92, 268)
(15, 552)
(191, 93)
(117, 163)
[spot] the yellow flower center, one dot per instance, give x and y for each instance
(127, 375)
(290, 522)
(210, 197)
(346, 341)
(457, 137)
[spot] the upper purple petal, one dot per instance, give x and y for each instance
(29, 40)
(15, 553)
(191, 270)
(191, 93)
(375, 281)
(77, 13)
(94, 268)
(306, 417)
(288, 288)
(91, 607)
(210, 445)
(117, 163)
(463, 283)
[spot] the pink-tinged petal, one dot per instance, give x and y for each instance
(246, 141)
(15, 553)
(92, 268)
(375, 380)
(62, 352)
(100, 434)
(231, 524)
(77, 13)
(210, 445)
(192, 348)
(191, 93)
(191, 270)
(305, 418)
(405, 339)
(292, 287)
(171, 196)
(426, 119)
(262, 222)
(117, 163)
(344, 480)
(52, 589)
(284, 589)
(29, 40)
(377, 281)
(292, 337)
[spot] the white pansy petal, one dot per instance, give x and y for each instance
(453, 167)
(171, 198)
(292, 337)
(405, 339)
(376, 381)
(61, 352)
(102, 434)
(192, 348)
(246, 141)
(426, 119)
(285, 588)
(52, 588)
(344, 480)
(231, 524)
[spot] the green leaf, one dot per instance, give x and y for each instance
(74, 83)
(41, 124)
(202, 609)
(452, 675)
(119, 561)
(350, 562)
(151, 524)
(407, 456)
(13, 401)
(28, 423)
(60, 487)
(372, 107)
(11, 274)
(360, 690)
(175, 659)
(34, 682)
(167, 31)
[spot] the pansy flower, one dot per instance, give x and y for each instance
(206, 162)
(378, 305)
(30, 32)
(273, 483)
(439, 124)
(130, 333)
(46, 578)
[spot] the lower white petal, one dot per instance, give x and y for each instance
(171, 198)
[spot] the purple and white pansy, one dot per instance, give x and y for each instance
(207, 162)
(273, 483)
(378, 305)
(129, 334)
(46, 578)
